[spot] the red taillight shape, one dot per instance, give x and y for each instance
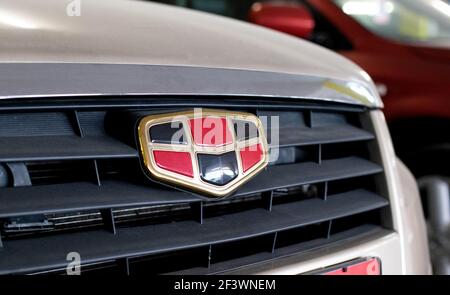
(178, 162)
(369, 267)
(210, 131)
(250, 156)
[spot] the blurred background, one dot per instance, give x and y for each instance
(404, 45)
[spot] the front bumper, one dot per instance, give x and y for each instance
(382, 244)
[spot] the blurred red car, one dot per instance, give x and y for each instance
(404, 45)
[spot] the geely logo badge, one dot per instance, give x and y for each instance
(208, 151)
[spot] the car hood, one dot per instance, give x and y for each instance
(134, 32)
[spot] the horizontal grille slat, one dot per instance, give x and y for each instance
(95, 246)
(309, 172)
(48, 148)
(72, 180)
(234, 267)
(321, 135)
(77, 196)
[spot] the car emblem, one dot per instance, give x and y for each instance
(208, 151)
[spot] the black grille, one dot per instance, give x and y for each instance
(73, 182)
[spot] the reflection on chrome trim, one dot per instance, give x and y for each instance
(34, 80)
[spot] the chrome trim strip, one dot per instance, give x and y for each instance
(34, 80)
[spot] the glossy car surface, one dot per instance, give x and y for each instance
(71, 88)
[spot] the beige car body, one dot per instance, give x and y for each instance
(42, 32)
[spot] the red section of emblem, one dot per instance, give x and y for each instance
(210, 131)
(250, 156)
(178, 162)
(370, 267)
